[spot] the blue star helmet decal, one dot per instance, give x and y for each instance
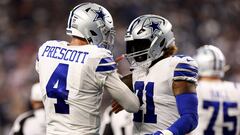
(99, 15)
(154, 26)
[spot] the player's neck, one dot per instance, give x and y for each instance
(76, 41)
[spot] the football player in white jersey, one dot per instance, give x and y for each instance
(219, 100)
(165, 84)
(32, 122)
(74, 74)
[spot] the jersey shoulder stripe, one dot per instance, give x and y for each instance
(104, 68)
(185, 73)
(186, 66)
(106, 60)
(186, 69)
(106, 64)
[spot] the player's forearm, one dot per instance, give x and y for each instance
(187, 107)
(127, 100)
(122, 94)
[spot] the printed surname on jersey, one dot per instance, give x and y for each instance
(64, 54)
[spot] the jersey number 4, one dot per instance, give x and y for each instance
(150, 116)
(226, 118)
(56, 88)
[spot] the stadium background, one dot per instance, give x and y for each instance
(26, 24)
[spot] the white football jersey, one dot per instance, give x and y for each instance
(72, 79)
(158, 109)
(219, 108)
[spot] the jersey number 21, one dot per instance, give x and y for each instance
(150, 116)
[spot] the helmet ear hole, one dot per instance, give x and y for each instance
(93, 33)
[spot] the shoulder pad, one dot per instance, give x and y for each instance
(186, 69)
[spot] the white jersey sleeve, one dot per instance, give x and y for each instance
(107, 75)
(105, 66)
(121, 93)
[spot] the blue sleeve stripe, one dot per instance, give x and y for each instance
(106, 60)
(106, 68)
(185, 73)
(187, 66)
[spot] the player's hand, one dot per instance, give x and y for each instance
(116, 107)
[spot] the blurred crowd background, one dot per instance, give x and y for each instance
(26, 24)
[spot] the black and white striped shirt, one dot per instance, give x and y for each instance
(30, 123)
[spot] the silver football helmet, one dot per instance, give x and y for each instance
(92, 22)
(147, 38)
(211, 61)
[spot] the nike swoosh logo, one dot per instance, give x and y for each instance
(109, 21)
(189, 60)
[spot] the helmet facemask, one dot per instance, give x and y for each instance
(150, 35)
(137, 52)
(108, 35)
